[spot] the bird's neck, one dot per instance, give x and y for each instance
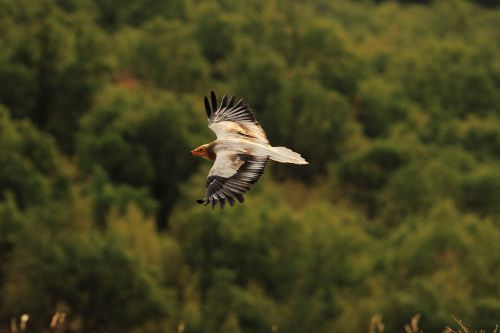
(210, 153)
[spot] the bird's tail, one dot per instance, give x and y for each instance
(285, 155)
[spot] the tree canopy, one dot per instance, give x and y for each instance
(395, 104)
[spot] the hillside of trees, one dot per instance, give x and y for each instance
(396, 105)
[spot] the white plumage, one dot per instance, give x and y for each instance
(240, 151)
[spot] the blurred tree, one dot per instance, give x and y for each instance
(323, 43)
(314, 121)
(447, 81)
(164, 53)
(241, 245)
(399, 102)
(29, 163)
(275, 24)
(11, 221)
(113, 293)
(379, 105)
(246, 262)
(106, 196)
(58, 63)
(214, 32)
(113, 15)
(416, 187)
(261, 83)
(480, 192)
(432, 270)
(481, 137)
(145, 148)
(332, 245)
(365, 173)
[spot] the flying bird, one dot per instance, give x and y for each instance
(240, 152)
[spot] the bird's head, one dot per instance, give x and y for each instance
(201, 151)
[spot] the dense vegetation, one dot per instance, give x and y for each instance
(396, 106)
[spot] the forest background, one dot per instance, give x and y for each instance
(396, 105)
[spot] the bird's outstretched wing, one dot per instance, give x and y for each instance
(233, 119)
(231, 176)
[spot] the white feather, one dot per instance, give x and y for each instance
(226, 164)
(250, 147)
(285, 155)
(239, 130)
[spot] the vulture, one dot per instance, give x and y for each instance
(240, 152)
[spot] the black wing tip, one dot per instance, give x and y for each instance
(214, 100)
(208, 109)
(223, 102)
(240, 198)
(203, 202)
(229, 105)
(221, 203)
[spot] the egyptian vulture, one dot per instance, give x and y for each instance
(240, 152)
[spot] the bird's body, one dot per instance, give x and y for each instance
(240, 152)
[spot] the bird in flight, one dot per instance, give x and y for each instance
(240, 152)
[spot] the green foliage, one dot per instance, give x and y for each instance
(54, 268)
(365, 173)
(213, 32)
(450, 79)
(380, 106)
(338, 67)
(260, 80)
(29, 163)
(106, 196)
(480, 192)
(114, 14)
(163, 53)
(319, 115)
(270, 267)
(141, 140)
(10, 223)
(435, 264)
(59, 63)
(394, 104)
(417, 186)
(480, 136)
